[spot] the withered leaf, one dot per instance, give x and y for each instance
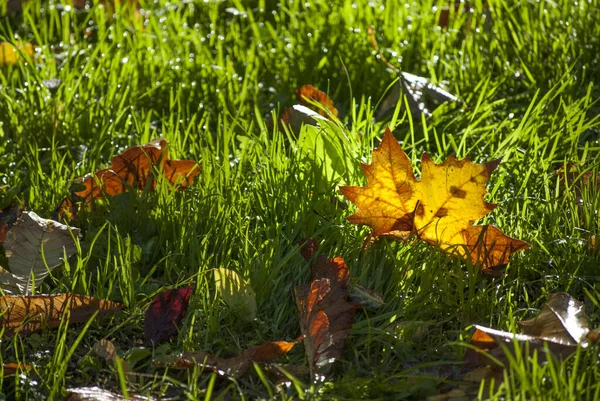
(12, 368)
(133, 169)
(34, 247)
(307, 94)
(422, 96)
(307, 112)
(25, 314)
(439, 209)
(8, 217)
(235, 366)
(562, 320)
(165, 313)
(365, 297)
(562, 324)
(325, 315)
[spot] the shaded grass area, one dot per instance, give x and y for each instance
(209, 77)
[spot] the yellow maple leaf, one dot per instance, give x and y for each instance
(440, 208)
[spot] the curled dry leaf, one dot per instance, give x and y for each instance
(34, 247)
(308, 94)
(133, 169)
(165, 313)
(562, 324)
(422, 95)
(336, 270)
(25, 314)
(235, 366)
(368, 299)
(325, 315)
(439, 209)
(307, 112)
(562, 320)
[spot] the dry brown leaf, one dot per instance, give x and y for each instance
(34, 247)
(325, 315)
(235, 366)
(133, 169)
(26, 314)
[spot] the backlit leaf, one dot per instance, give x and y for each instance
(11, 54)
(34, 247)
(314, 105)
(562, 324)
(25, 314)
(98, 394)
(439, 209)
(561, 320)
(236, 293)
(133, 169)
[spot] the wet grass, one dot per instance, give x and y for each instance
(208, 76)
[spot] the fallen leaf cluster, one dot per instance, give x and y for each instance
(326, 311)
(440, 208)
(34, 246)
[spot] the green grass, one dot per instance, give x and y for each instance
(208, 79)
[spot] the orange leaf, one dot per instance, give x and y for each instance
(235, 366)
(25, 314)
(12, 368)
(309, 93)
(439, 209)
(133, 169)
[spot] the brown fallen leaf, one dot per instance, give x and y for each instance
(306, 112)
(439, 209)
(34, 247)
(165, 313)
(325, 315)
(336, 270)
(562, 320)
(133, 169)
(562, 325)
(235, 366)
(307, 94)
(26, 314)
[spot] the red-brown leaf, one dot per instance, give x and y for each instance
(165, 313)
